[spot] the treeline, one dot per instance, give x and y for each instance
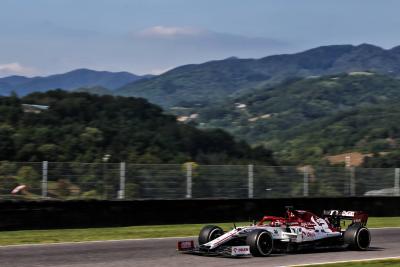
(84, 127)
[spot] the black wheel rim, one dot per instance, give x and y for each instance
(264, 243)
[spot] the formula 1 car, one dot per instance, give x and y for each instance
(298, 230)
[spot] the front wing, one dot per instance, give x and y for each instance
(188, 247)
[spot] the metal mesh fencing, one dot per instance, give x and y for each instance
(328, 181)
(155, 182)
(112, 181)
(377, 182)
(279, 181)
(210, 181)
(70, 180)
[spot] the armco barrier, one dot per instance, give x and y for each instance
(76, 214)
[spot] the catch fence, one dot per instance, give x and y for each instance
(125, 181)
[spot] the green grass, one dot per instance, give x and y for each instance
(372, 263)
(383, 222)
(92, 234)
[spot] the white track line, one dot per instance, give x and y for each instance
(333, 262)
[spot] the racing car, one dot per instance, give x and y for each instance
(298, 230)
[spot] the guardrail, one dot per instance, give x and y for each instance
(125, 181)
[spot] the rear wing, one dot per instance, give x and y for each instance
(335, 216)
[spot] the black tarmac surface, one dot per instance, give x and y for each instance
(162, 252)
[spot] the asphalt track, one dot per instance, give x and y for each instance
(161, 252)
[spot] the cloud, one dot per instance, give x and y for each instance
(158, 71)
(15, 68)
(182, 37)
(157, 49)
(165, 31)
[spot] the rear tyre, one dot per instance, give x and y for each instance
(357, 237)
(209, 232)
(260, 243)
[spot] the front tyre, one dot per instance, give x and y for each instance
(357, 237)
(260, 243)
(209, 232)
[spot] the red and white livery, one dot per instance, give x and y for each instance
(298, 230)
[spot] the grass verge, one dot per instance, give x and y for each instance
(371, 263)
(153, 231)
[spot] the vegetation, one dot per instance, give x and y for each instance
(303, 120)
(387, 160)
(92, 234)
(96, 90)
(83, 127)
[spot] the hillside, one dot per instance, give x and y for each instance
(373, 129)
(303, 120)
(83, 127)
(96, 90)
(202, 83)
(67, 81)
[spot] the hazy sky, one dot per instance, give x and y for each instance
(40, 37)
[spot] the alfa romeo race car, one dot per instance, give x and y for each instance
(298, 230)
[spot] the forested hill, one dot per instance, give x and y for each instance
(304, 120)
(218, 79)
(83, 127)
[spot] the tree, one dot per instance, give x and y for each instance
(29, 176)
(6, 142)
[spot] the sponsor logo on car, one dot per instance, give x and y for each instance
(240, 250)
(348, 213)
(185, 245)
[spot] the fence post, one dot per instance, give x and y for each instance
(45, 165)
(250, 169)
(188, 180)
(397, 182)
(352, 181)
(305, 182)
(122, 171)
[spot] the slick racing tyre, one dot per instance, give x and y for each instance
(357, 237)
(260, 243)
(208, 233)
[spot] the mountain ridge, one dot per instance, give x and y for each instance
(68, 81)
(201, 83)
